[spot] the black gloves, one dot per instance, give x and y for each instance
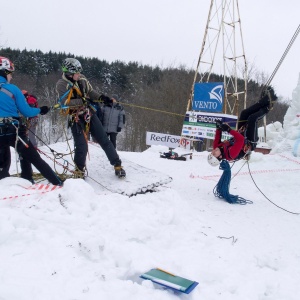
(225, 127)
(44, 110)
(218, 124)
(222, 127)
(119, 129)
(105, 99)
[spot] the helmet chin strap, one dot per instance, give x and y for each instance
(222, 154)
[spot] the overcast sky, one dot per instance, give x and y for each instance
(153, 32)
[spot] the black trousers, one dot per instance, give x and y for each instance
(29, 155)
(250, 116)
(26, 168)
(113, 138)
(5, 160)
(98, 135)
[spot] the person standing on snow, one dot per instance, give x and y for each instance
(237, 147)
(13, 133)
(76, 92)
(113, 119)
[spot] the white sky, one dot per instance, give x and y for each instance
(155, 32)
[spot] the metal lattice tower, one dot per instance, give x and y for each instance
(223, 53)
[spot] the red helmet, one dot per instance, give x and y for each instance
(6, 65)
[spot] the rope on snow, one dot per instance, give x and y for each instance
(221, 190)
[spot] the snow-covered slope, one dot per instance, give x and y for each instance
(83, 242)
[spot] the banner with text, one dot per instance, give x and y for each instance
(198, 125)
(208, 96)
(171, 141)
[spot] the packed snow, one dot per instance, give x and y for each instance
(80, 242)
(84, 241)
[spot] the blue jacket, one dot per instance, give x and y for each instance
(10, 107)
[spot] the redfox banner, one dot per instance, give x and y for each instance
(198, 125)
(162, 139)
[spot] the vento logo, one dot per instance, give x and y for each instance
(216, 93)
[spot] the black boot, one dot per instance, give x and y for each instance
(268, 97)
(119, 171)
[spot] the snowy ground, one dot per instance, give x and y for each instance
(83, 242)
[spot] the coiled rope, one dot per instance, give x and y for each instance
(221, 190)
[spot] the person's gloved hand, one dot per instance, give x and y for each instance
(218, 124)
(119, 129)
(225, 127)
(44, 110)
(105, 99)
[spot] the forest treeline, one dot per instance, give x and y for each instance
(154, 98)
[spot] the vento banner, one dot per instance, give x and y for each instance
(199, 125)
(208, 96)
(171, 141)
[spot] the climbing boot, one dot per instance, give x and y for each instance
(268, 97)
(119, 171)
(77, 173)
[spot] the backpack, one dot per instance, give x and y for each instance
(32, 101)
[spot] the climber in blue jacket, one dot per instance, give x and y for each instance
(13, 133)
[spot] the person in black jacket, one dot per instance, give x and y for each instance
(76, 92)
(13, 133)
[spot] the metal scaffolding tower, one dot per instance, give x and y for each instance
(223, 53)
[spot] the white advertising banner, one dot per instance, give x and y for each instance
(199, 125)
(171, 141)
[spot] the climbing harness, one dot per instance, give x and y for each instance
(76, 114)
(247, 148)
